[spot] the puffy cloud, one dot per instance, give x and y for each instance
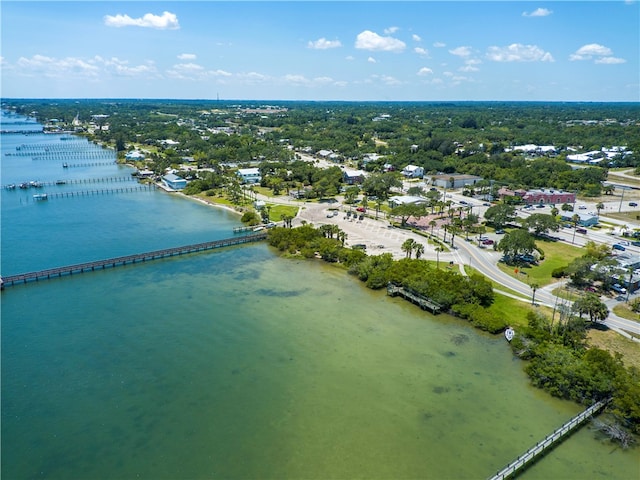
(368, 40)
(516, 52)
(391, 30)
(122, 68)
(425, 71)
(461, 51)
(57, 67)
(324, 44)
(187, 56)
(538, 12)
(439, 44)
(166, 21)
(421, 51)
(416, 38)
(610, 60)
(193, 71)
(372, 60)
(599, 53)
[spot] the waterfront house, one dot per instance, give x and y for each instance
(249, 175)
(134, 155)
(174, 182)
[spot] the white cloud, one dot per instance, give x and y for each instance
(461, 51)
(516, 52)
(538, 12)
(324, 44)
(349, 57)
(610, 60)
(416, 38)
(122, 68)
(439, 44)
(425, 71)
(195, 72)
(57, 67)
(371, 60)
(166, 21)
(187, 56)
(468, 68)
(421, 51)
(368, 40)
(599, 53)
(391, 30)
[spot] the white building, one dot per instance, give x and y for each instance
(249, 175)
(413, 171)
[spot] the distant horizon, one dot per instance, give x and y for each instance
(318, 51)
(273, 100)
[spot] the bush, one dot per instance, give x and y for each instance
(559, 272)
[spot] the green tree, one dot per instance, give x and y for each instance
(501, 214)
(516, 242)
(541, 223)
(407, 247)
(590, 305)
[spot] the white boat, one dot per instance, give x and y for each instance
(509, 333)
(40, 196)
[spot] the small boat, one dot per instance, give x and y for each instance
(24, 185)
(40, 196)
(11, 186)
(509, 333)
(60, 182)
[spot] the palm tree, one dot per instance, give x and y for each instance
(432, 224)
(407, 246)
(534, 286)
(438, 250)
(599, 206)
(419, 249)
(575, 219)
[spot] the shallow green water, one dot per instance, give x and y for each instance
(239, 364)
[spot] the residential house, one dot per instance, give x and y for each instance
(174, 182)
(413, 171)
(353, 177)
(249, 175)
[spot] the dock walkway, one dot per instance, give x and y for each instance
(119, 261)
(531, 455)
(416, 298)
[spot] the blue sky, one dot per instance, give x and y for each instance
(333, 50)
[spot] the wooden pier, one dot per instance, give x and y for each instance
(423, 302)
(129, 259)
(540, 448)
(243, 229)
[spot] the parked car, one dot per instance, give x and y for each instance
(360, 209)
(539, 206)
(582, 207)
(635, 243)
(499, 231)
(616, 287)
(488, 241)
(633, 204)
(617, 246)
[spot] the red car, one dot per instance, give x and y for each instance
(360, 209)
(487, 242)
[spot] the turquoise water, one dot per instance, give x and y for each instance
(239, 364)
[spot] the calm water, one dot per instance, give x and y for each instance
(240, 364)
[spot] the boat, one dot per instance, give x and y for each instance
(40, 196)
(11, 186)
(509, 333)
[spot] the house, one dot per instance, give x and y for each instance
(174, 182)
(249, 175)
(353, 177)
(454, 180)
(413, 171)
(134, 155)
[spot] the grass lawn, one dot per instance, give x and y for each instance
(276, 212)
(623, 310)
(514, 311)
(612, 342)
(556, 254)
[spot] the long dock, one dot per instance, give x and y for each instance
(129, 259)
(420, 300)
(540, 448)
